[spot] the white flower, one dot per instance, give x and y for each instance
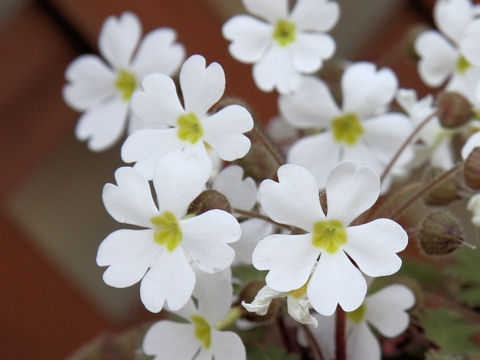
(284, 45)
(242, 194)
(290, 259)
(447, 54)
(188, 128)
(361, 131)
(103, 90)
(161, 254)
(385, 310)
(298, 305)
(168, 340)
(474, 206)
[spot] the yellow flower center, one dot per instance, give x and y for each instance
(347, 128)
(126, 84)
(301, 291)
(357, 315)
(189, 128)
(167, 231)
(203, 331)
(462, 64)
(284, 32)
(329, 235)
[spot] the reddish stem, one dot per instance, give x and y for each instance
(340, 343)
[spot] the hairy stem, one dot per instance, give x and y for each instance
(260, 216)
(268, 146)
(234, 314)
(340, 342)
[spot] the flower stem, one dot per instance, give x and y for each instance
(405, 144)
(259, 216)
(315, 349)
(425, 189)
(268, 146)
(340, 343)
(232, 316)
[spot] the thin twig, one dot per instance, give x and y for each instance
(260, 216)
(268, 146)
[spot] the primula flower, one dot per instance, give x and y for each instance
(448, 53)
(167, 340)
(160, 255)
(285, 44)
(189, 127)
(103, 90)
(320, 254)
(361, 131)
(385, 310)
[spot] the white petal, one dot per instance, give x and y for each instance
(472, 142)
(276, 70)
(362, 344)
(350, 192)
(90, 82)
(299, 310)
(324, 334)
(205, 238)
(201, 86)
(227, 345)
(443, 156)
(146, 147)
(336, 281)
(223, 131)
(469, 45)
(271, 10)
(310, 107)
(294, 199)
(158, 103)
(316, 15)
(452, 17)
(373, 246)
(367, 91)
(158, 52)
(118, 39)
(241, 193)
(318, 153)
(178, 179)
(290, 259)
(262, 300)
(168, 340)
(386, 309)
(437, 57)
(310, 49)
(188, 310)
(103, 124)
(250, 37)
(128, 254)
(130, 201)
(253, 230)
(170, 279)
(214, 294)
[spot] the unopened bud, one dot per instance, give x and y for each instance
(471, 169)
(444, 192)
(323, 201)
(453, 109)
(209, 200)
(440, 234)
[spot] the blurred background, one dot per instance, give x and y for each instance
(52, 298)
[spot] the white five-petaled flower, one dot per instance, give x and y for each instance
(286, 45)
(167, 340)
(360, 131)
(319, 256)
(188, 128)
(103, 90)
(448, 53)
(385, 310)
(161, 254)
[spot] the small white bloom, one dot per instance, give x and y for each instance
(282, 45)
(187, 127)
(474, 206)
(290, 259)
(160, 255)
(103, 90)
(360, 131)
(385, 310)
(167, 340)
(298, 305)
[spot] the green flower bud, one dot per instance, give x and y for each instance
(440, 234)
(444, 192)
(471, 169)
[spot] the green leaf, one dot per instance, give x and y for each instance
(450, 331)
(424, 273)
(466, 271)
(248, 273)
(270, 353)
(442, 355)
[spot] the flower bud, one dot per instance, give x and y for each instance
(439, 234)
(471, 169)
(453, 109)
(209, 200)
(444, 192)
